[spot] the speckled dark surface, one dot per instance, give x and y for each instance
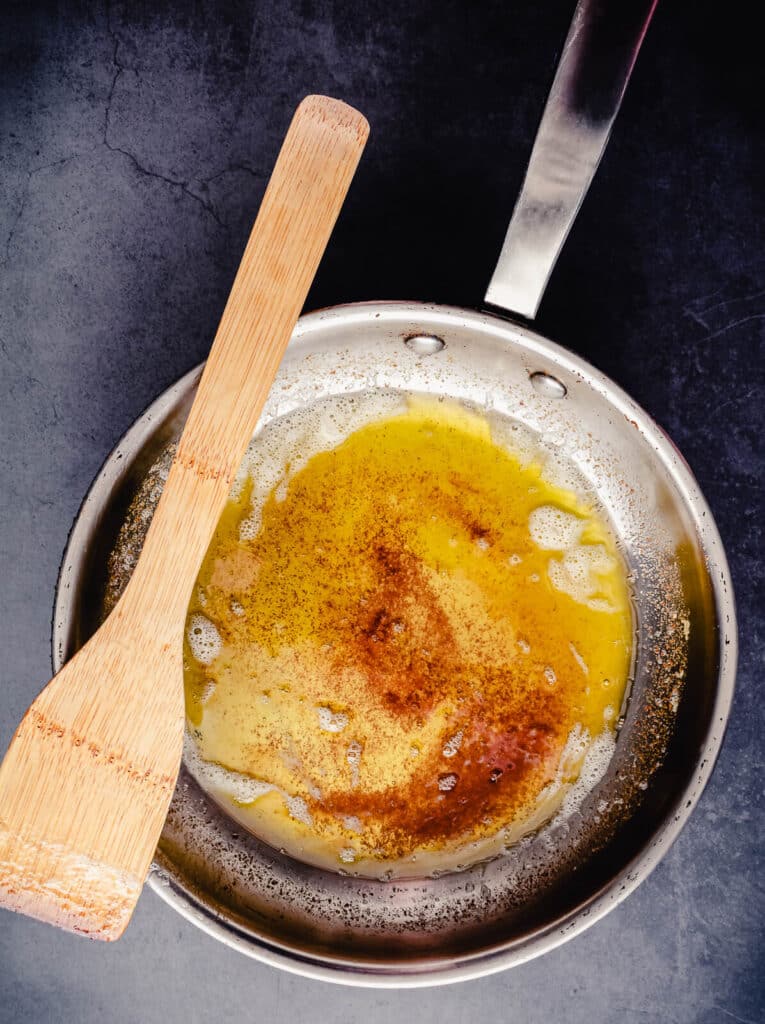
(134, 148)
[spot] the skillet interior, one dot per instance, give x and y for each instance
(503, 912)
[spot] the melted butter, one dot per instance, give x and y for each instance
(409, 658)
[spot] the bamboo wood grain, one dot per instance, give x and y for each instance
(87, 779)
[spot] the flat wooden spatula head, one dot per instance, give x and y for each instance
(87, 779)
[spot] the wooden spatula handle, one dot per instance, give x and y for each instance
(301, 204)
(88, 777)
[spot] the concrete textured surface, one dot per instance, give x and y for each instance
(134, 147)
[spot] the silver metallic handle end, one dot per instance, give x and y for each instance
(593, 72)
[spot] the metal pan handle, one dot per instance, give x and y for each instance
(595, 66)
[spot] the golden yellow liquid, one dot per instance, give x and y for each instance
(405, 671)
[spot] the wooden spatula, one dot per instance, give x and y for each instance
(86, 782)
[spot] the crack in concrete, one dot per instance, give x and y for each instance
(119, 69)
(231, 169)
(17, 219)
(25, 376)
(732, 1015)
(146, 172)
(732, 325)
(25, 198)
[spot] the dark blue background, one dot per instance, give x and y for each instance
(134, 148)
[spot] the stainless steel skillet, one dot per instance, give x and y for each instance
(517, 906)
